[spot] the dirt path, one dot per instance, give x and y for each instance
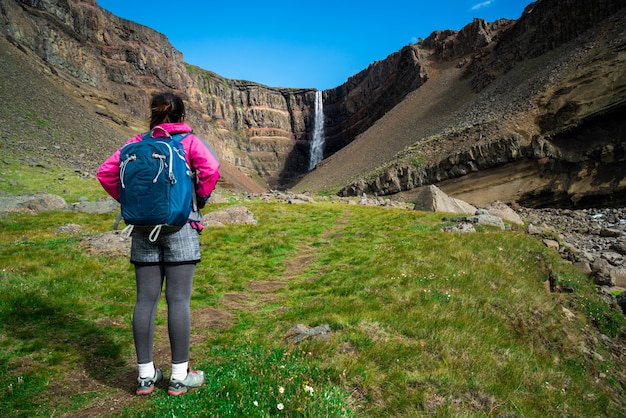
(206, 321)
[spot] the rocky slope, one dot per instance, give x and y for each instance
(534, 118)
(112, 66)
(525, 110)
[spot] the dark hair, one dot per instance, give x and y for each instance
(166, 107)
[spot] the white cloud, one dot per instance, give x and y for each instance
(482, 4)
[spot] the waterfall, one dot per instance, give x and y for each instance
(317, 143)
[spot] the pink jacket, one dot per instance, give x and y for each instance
(200, 158)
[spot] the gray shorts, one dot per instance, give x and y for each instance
(180, 247)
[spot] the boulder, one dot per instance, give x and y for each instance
(503, 211)
(302, 332)
(233, 215)
(618, 277)
(109, 244)
(104, 205)
(462, 227)
(432, 199)
(601, 271)
(482, 217)
(36, 203)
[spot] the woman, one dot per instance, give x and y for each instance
(171, 258)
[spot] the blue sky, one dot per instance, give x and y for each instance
(301, 44)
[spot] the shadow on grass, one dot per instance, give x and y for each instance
(53, 328)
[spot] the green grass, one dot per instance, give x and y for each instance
(38, 173)
(423, 323)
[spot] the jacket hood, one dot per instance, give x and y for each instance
(171, 128)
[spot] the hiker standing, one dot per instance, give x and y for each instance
(169, 257)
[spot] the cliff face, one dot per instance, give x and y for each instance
(258, 131)
(451, 109)
(551, 95)
(116, 65)
(355, 105)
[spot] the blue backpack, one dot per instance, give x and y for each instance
(156, 185)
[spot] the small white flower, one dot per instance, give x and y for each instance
(280, 406)
(309, 389)
(281, 389)
(255, 403)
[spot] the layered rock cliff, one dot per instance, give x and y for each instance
(544, 125)
(115, 65)
(259, 132)
(527, 110)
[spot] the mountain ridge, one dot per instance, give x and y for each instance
(534, 106)
(382, 114)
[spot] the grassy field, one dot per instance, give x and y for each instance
(423, 322)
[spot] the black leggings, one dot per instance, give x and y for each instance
(149, 279)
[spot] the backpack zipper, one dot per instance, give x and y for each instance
(162, 164)
(128, 159)
(171, 165)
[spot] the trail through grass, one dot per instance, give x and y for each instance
(423, 323)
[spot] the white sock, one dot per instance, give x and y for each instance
(146, 370)
(179, 371)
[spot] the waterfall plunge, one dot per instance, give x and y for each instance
(317, 144)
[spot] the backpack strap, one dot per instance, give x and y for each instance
(117, 221)
(178, 138)
(167, 134)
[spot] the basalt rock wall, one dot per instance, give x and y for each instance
(564, 170)
(355, 105)
(258, 131)
(262, 134)
(555, 83)
(115, 65)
